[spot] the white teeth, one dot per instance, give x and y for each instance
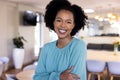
(62, 31)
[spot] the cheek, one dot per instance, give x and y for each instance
(72, 27)
(55, 25)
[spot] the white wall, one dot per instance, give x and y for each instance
(10, 27)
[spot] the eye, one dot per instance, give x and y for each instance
(69, 22)
(57, 20)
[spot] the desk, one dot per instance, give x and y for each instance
(103, 55)
(25, 75)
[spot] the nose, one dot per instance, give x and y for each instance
(63, 24)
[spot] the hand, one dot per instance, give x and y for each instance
(67, 75)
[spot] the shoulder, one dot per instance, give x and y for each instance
(48, 47)
(50, 44)
(79, 45)
(78, 48)
(79, 42)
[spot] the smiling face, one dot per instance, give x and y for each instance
(63, 24)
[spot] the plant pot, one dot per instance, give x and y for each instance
(115, 50)
(18, 57)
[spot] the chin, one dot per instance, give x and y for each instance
(63, 37)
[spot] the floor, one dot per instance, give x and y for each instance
(11, 71)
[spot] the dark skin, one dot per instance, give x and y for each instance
(63, 25)
(67, 75)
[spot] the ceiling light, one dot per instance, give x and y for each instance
(106, 19)
(100, 19)
(89, 10)
(97, 17)
(109, 15)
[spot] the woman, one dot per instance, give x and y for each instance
(65, 58)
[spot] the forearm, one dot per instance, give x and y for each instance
(47, 76)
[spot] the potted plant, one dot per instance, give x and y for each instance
(18, 51)
(116, 44)
(18, 42)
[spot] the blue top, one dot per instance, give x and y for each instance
(54, 60)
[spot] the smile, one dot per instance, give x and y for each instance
(62, 31)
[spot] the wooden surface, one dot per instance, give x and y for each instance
(103, 55)
(25, 75)
(100, 39)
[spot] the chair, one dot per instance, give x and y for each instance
(95, 67)
(113, 69)
(10, 77)
(29, 67)
(35, 63)
(5, 61)
(1, 69)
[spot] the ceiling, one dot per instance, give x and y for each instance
(100, 6)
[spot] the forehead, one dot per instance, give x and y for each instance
(67, 13)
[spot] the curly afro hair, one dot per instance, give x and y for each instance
(56, 5)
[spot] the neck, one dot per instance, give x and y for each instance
(63, 42)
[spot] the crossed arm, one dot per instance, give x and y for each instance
(67, 75)
(75, 72)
